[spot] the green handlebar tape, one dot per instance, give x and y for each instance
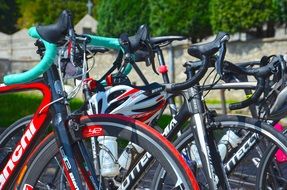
(105, 42)
(127, 69)
(45, 63)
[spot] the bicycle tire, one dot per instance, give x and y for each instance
(235, 123)
(124, 128)
(272, 174)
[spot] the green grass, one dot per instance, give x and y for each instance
(163, 121)
(17, 105)
(215, 101)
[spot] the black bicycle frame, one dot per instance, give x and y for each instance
(193, 108)
(60, 114)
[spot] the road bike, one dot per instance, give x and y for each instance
(243, 151)
(269, 107)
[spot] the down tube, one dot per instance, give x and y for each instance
(27, 141)
(147, 161)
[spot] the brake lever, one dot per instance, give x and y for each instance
(219, 61)
(150, 58)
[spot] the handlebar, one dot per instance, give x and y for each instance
(260, 75)
(45, 63)
(50, 54)
(105, 42)
(50, 35)
(204, 52)
(191, 81)
(254, 97)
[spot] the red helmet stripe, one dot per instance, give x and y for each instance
(132, 91)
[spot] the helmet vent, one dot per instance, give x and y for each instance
(115, 94)
(116, 104)
(151, 108)
(100, 104)
(147, 98)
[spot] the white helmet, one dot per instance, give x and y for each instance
(129, 101)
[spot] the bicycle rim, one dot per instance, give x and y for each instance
(272, 172)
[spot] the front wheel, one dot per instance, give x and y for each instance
(45, 170)
(272, 171)
(241, 163)
(10, 137)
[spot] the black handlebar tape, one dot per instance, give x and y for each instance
(192, 81)
(261, 72)
(255, 96)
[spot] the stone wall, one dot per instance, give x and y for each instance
(19, 50)
(237, 51)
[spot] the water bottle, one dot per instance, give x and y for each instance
(108, 156)
(126, 157)
(195, 155)
(230, 139)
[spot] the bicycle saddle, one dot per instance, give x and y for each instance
(208, 49)
(55, 32)
(165, 39)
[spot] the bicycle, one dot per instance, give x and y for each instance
(73, 152)
(247, 87)
(231, 86)
(270, 107)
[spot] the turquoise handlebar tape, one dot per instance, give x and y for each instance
(105, 42)
(37, 70)
(127, 69)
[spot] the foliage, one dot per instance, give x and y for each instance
(196, 18)
(191, 18)
(47, 12)
(8, 16)
(280, 7)
(165, 17)
(117, 17)
(237, 16)
(26, 104)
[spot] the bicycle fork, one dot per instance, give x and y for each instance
(213, 167)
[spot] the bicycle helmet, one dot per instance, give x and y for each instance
(129, 101)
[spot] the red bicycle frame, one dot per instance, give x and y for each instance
(24, 146)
